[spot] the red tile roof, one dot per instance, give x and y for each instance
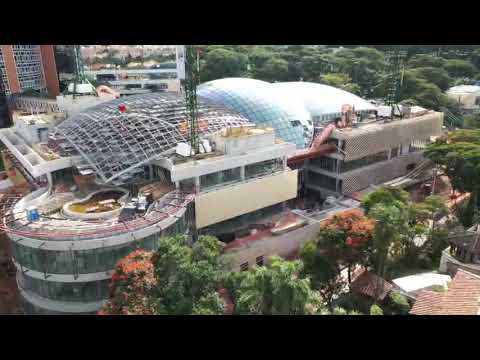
(366, 284)
(462, 298)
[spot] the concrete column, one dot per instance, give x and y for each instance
(49, 178)
(50, 70)
(389, 154)
(177, 184)
(197, 185)
(242, 173)
(284, 162)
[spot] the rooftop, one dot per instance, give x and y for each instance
(462, 297)
(366, 283)
(464, 89)
(376, 126)
(417, 282)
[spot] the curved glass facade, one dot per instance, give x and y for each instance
(323, 102)
(257, 101)
(44, 287)
(85, 261)
(64, 291)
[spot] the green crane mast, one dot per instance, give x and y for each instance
(190, 87)
(80, 77)
(395, 60)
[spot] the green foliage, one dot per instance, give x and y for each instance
(274, 69)
(459, 155)
(435, 244)
(466, 213)
(210, 304)
(340, 80)
(221, 63)
(385, 195)
(398, 303)
(376, 310)
(437, 76)
(471, 121)
(425, 60)
(278, 289)
(460, 68)
(398, 222)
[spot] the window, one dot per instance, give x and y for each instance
(259, 260)
(365, 161)
(219, 178)
(325, 163)
(244, 266)
(263, 168)
(323, 181)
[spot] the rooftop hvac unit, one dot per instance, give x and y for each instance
(81, 88)
(183, 149)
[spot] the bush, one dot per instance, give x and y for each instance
(339, 311)
(376, 310)
(399, 303)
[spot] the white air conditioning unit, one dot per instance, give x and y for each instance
(183, 149)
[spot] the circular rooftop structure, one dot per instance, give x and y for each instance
(262, 104)
(116, 138)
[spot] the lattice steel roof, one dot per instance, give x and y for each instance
(116, 144)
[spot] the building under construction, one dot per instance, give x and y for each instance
(119, 175)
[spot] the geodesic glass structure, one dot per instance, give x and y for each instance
(258, 101)
(117, 137)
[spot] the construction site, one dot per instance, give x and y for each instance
(258, 169)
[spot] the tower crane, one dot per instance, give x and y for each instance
(80, 84)
(190, 88)
(395, 60)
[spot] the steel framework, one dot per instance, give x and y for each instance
(116, 144)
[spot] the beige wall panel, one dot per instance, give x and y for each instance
(374, 138)
(216, 206)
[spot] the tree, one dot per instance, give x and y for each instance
(475, 58)
(221, 63)
(259, 56)
(399, 303)
(186, 275)
(274, 69)
(376, 310)
(278, 289)
(460, 68)
(344, 239)
(341, 81)
(471, 121)
(437, 76)
(425, 60)
(175, 280)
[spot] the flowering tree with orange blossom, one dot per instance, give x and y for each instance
(344, 239)
(177, 279)
(133, 287)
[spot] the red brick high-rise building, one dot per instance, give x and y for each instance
(24, 67)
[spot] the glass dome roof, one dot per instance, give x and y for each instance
(322, 100)
(116, 144)
(262, 104)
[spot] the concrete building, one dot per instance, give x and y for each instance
(28, 67)
(105, 182)
(468, 96)
(112, 177)
(371, 153)
(463, 252)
